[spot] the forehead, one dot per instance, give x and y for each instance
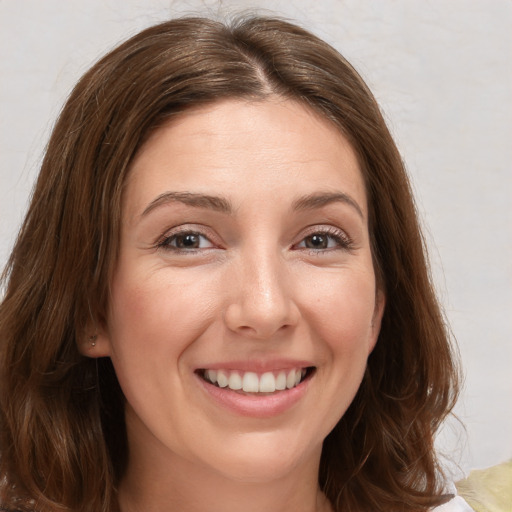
(270, 149)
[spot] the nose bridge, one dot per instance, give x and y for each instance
(263, 302)
(267, 279)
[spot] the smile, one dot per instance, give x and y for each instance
(251, 382)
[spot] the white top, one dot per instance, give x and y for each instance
(456, 504)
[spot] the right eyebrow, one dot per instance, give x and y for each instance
(215, 203)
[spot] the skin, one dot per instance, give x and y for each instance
(276, 277)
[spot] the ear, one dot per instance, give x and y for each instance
(95, 342)
(378, 313)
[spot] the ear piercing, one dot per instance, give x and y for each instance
(92, 340)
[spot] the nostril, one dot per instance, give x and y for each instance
(261, 319)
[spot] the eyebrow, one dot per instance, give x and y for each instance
(220, 204)
(319, 199)
(215, 203)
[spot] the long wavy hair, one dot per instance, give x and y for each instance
(62, 431)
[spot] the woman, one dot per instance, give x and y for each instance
(219, 298)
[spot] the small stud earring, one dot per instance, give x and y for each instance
(92, 340)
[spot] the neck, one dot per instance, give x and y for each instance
(157, 481)
(200, 493)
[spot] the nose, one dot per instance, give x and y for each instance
(262, 301)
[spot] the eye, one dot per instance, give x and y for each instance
(322, 240)
(185, 241)
(319, 241)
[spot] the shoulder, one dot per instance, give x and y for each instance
(456, 504)
(489, 488)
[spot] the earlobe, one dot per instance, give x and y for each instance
(95, 344)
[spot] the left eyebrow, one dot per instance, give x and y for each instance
(319, 199)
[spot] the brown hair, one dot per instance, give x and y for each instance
(62, 432)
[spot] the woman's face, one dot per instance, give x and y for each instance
(244, 262)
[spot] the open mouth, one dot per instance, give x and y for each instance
(251, 382)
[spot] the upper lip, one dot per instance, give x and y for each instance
(258, 366)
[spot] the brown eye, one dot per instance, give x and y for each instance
(185, 241)
(317, 241)
(325, 240)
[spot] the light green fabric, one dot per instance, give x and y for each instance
(488, 490)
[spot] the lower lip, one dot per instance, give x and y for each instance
(255, 405)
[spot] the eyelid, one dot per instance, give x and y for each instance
(345, 241)
(183, 229)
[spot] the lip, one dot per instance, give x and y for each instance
(256, 405)
(258, 366)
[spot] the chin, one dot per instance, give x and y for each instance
(261, 459)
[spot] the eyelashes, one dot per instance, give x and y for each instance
(186, 241)
(317, 240)
(325, 238)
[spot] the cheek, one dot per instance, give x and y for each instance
(154, 318)
(341, 307)
(153, 321)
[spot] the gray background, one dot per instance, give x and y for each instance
(442, 73)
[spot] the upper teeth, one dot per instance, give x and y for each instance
(251, 382)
